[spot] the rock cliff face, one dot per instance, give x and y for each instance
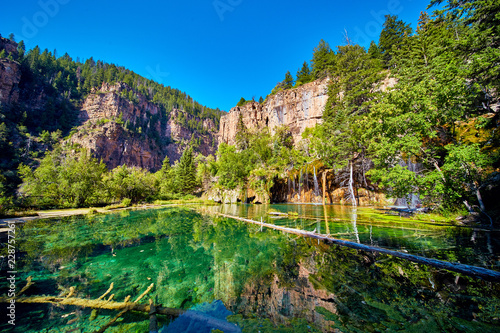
(109, 102)
(9, 46)
(9, 81)
(297, 108)
(135, 133)
(179, 133)
(10, 74)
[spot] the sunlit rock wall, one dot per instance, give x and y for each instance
(297, 108)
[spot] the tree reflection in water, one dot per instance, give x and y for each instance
(269, 280)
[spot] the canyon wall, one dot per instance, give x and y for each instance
(297, 108)
(136, 133)
(10, 73)
(9, 81)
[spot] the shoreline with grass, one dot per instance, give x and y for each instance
(23, 216)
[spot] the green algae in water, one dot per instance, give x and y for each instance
(419, 235)
(269, 280)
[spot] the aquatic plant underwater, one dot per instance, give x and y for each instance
(260, 280)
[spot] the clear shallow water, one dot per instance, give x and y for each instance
(370, 226)
(269, 281)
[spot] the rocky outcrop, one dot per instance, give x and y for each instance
(10, 76)
(239, 194)
(225, 196)
(297, 108)
(179, 132)
(111, 102)
(9, 46)
(121, 126)
(116, 146)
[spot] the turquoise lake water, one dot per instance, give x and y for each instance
(250, 280)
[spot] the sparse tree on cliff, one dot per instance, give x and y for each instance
(288, 83)
(322, 60)
(304, 74)
(241, 102)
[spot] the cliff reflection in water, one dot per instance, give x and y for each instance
(269, 280)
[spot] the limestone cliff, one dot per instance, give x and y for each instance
(297, 108)
(135, 132)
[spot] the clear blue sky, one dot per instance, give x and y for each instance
(216, 51)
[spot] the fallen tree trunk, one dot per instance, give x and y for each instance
(127, 306)
(477, 272)
(95, 304)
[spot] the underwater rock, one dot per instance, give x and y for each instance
(203, 318)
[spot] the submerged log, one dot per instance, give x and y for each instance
(95, 304)
(127, 306)
(473, 271)
(153, 321)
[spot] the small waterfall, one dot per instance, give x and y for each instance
(293, 186)
(306, 179)
(411, 200)
(289, 196)
(316, 185)
(300, 182)
(414, 199)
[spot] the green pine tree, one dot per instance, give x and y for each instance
(392, 36)
(186, 172)
(350, 96)
(322, 60)
(374, 51)
(241, 102)
(304, 74)
(242, 136)
(288, 82)
(21, 49)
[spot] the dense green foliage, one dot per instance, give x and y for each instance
(257, 163)
(258, 158)
(415, 114)
(392, 36)
(427, 126)
(436, 96)
(66, 178)
(186, 172)
(51, 91)
(304, 74)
